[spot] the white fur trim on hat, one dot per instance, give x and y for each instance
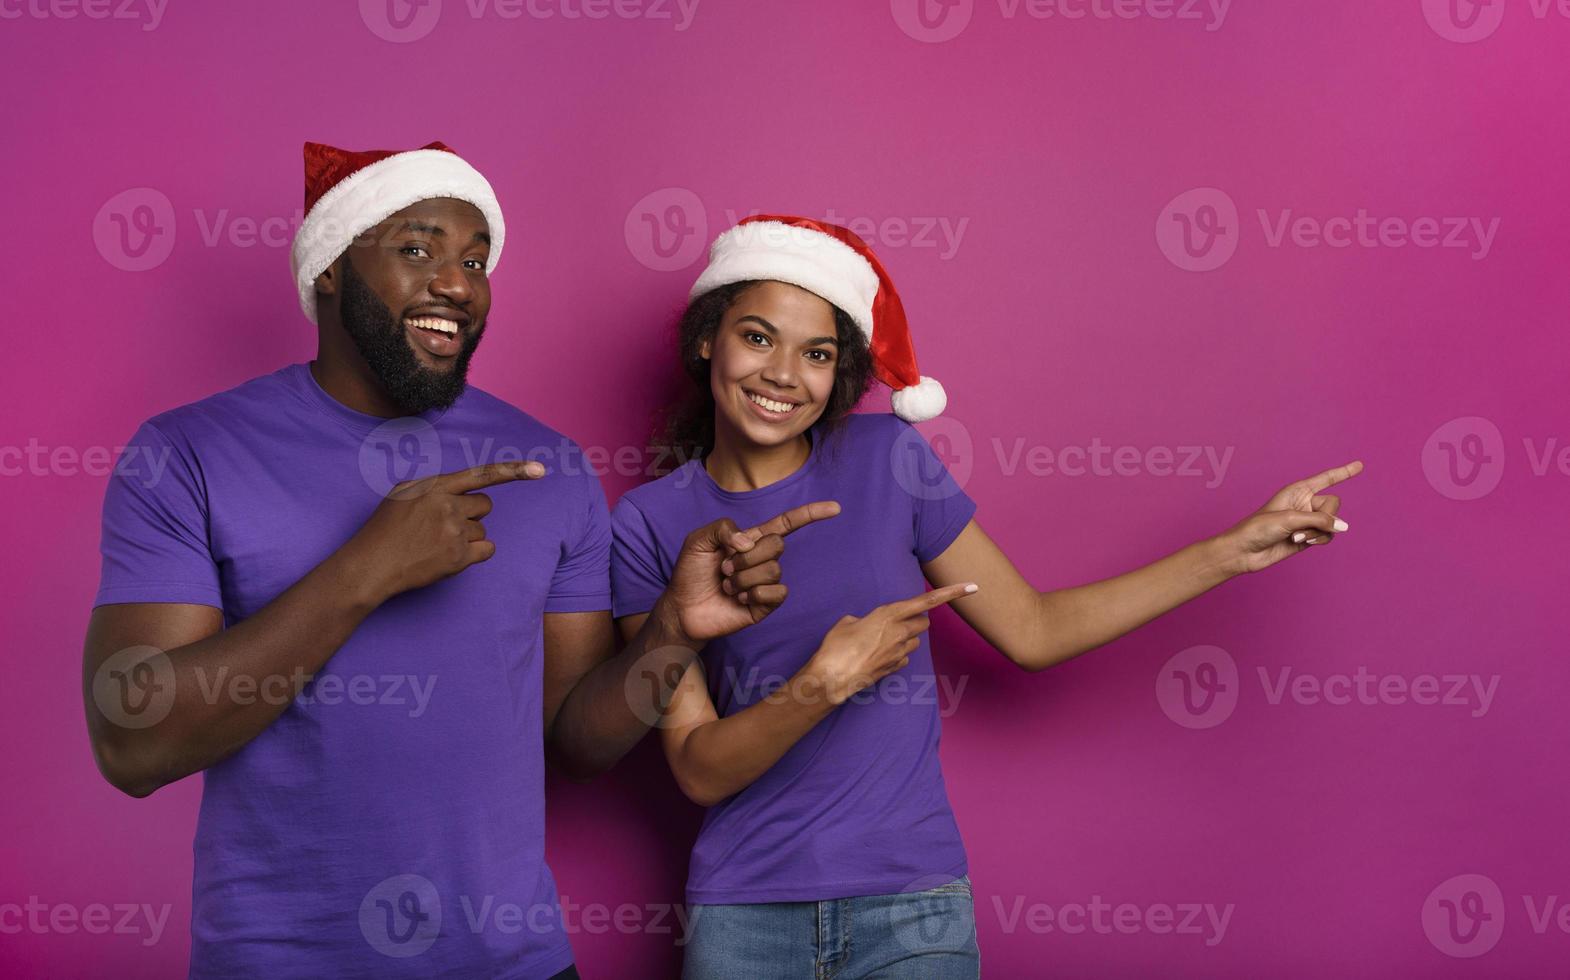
(920, 402)
(377, 191)
(804, 257)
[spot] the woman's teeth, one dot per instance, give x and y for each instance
(434, 323)
(771, 404)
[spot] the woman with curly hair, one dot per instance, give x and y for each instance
(828, 847)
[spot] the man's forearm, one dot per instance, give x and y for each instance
(616, 703)
(230, 686)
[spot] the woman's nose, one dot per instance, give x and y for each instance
(780, 370)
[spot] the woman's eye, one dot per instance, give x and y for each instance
(415, 248)
(821, 356)
(756, 338)
(476, 264)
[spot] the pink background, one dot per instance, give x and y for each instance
(1335, 831)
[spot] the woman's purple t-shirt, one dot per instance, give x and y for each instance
(858, 805)
(391, 821)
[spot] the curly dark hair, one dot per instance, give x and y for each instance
(686, 427)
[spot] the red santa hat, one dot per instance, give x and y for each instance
(349, 192)
(836, 264)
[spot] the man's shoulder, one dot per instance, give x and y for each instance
(528, 430)
(221, 408)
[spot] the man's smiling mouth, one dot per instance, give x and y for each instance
(437, 335)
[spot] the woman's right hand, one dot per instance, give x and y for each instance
(860, 651)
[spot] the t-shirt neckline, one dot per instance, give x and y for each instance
(357, 421)
(815, 440)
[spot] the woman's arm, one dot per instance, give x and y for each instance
(1037, 630)
(714, 758)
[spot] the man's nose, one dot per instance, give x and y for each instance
(452, 283)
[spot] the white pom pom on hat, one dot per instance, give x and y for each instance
(923, 400)
(836, 264)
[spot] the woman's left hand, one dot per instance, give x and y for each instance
(1298, 516)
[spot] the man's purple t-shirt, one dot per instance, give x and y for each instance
(391, 822)
(858, 805)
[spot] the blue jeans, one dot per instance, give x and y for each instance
(928, 934)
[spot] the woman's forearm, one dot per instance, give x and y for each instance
(721, 758)
(1079, 619)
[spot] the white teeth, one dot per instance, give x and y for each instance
(434, 323)
(770, 403)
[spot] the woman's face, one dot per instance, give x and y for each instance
(772, 362)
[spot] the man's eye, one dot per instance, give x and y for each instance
(477, 264)
(415, 248)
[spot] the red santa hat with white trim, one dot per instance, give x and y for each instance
(349, 192)
(837, 265)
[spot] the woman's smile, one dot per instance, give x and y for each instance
(771, 410)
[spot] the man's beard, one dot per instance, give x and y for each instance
(381, 338)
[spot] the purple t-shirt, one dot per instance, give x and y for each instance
(391, 822)
(858, 805)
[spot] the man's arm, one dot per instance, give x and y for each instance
(185, 647)
(599, 703)
(179, 654)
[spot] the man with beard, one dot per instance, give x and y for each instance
(299, 599)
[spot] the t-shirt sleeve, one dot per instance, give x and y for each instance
(636, 577)
(154, 537)
(582, 580)
(940, 508)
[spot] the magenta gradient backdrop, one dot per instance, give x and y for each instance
(1067, 314)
